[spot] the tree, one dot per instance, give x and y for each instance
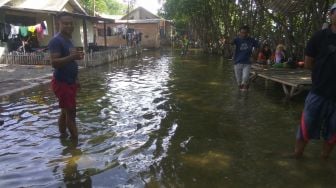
(103, 6)
(289, 21)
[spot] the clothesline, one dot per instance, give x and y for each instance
(40, 29)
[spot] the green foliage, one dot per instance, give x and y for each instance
(291, 23)
(115, 8)
(104, 6)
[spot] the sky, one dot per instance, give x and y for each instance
(152, 5)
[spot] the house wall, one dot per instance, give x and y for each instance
(150, 35)
(90, 31)
(78, 33)
(111, 41)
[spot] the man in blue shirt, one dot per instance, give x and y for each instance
(63, 58)
(244, 46)
(319, 114)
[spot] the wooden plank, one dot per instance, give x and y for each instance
(293, 81)
(291, 77)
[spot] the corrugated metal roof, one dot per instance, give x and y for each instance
(115, 17)
(3, 2)
(140, 9)
(50, 5)
(139, 21)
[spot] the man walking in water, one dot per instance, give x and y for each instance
(244, 46)
(319, 113)
(65, 83)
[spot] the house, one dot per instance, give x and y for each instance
(25, 13)
(153, 30)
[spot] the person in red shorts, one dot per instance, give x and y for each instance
(319, 114)
(65, 83)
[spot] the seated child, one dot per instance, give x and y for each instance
(264, 56)
(280, 54)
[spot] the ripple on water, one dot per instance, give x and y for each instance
(120, 111)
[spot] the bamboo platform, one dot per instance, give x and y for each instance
(293, 81)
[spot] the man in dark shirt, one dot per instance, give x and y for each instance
(63, 57)
(319, 114)
(244, 46)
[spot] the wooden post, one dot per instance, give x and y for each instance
(85, 35)
(53, 29)
(105, 40)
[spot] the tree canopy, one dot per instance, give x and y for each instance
(112, 7)
(278, 21)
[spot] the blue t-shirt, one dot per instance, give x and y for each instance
(322, 47)
(69, 72)
(244, 47)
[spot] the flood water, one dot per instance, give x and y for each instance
(160, 120)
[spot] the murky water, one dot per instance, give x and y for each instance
(160, 121)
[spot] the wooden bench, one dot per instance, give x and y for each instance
(293, 81)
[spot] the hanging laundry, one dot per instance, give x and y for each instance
(14, 31)
(23, 31)
(45, 27)
(32, 30)
(39, 30)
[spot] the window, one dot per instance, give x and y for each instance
(109, 31)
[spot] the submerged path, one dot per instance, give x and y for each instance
(159, 120)
(16, 78)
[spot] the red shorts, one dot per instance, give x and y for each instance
(66, 93)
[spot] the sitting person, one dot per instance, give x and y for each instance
(280, 54)
(264, 56)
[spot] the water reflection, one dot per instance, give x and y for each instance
(71, 174)
(158, 120)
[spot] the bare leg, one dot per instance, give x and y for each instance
(238, 73)
(299, 148)
(71, 122)
(327, 148)
(62, 124)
